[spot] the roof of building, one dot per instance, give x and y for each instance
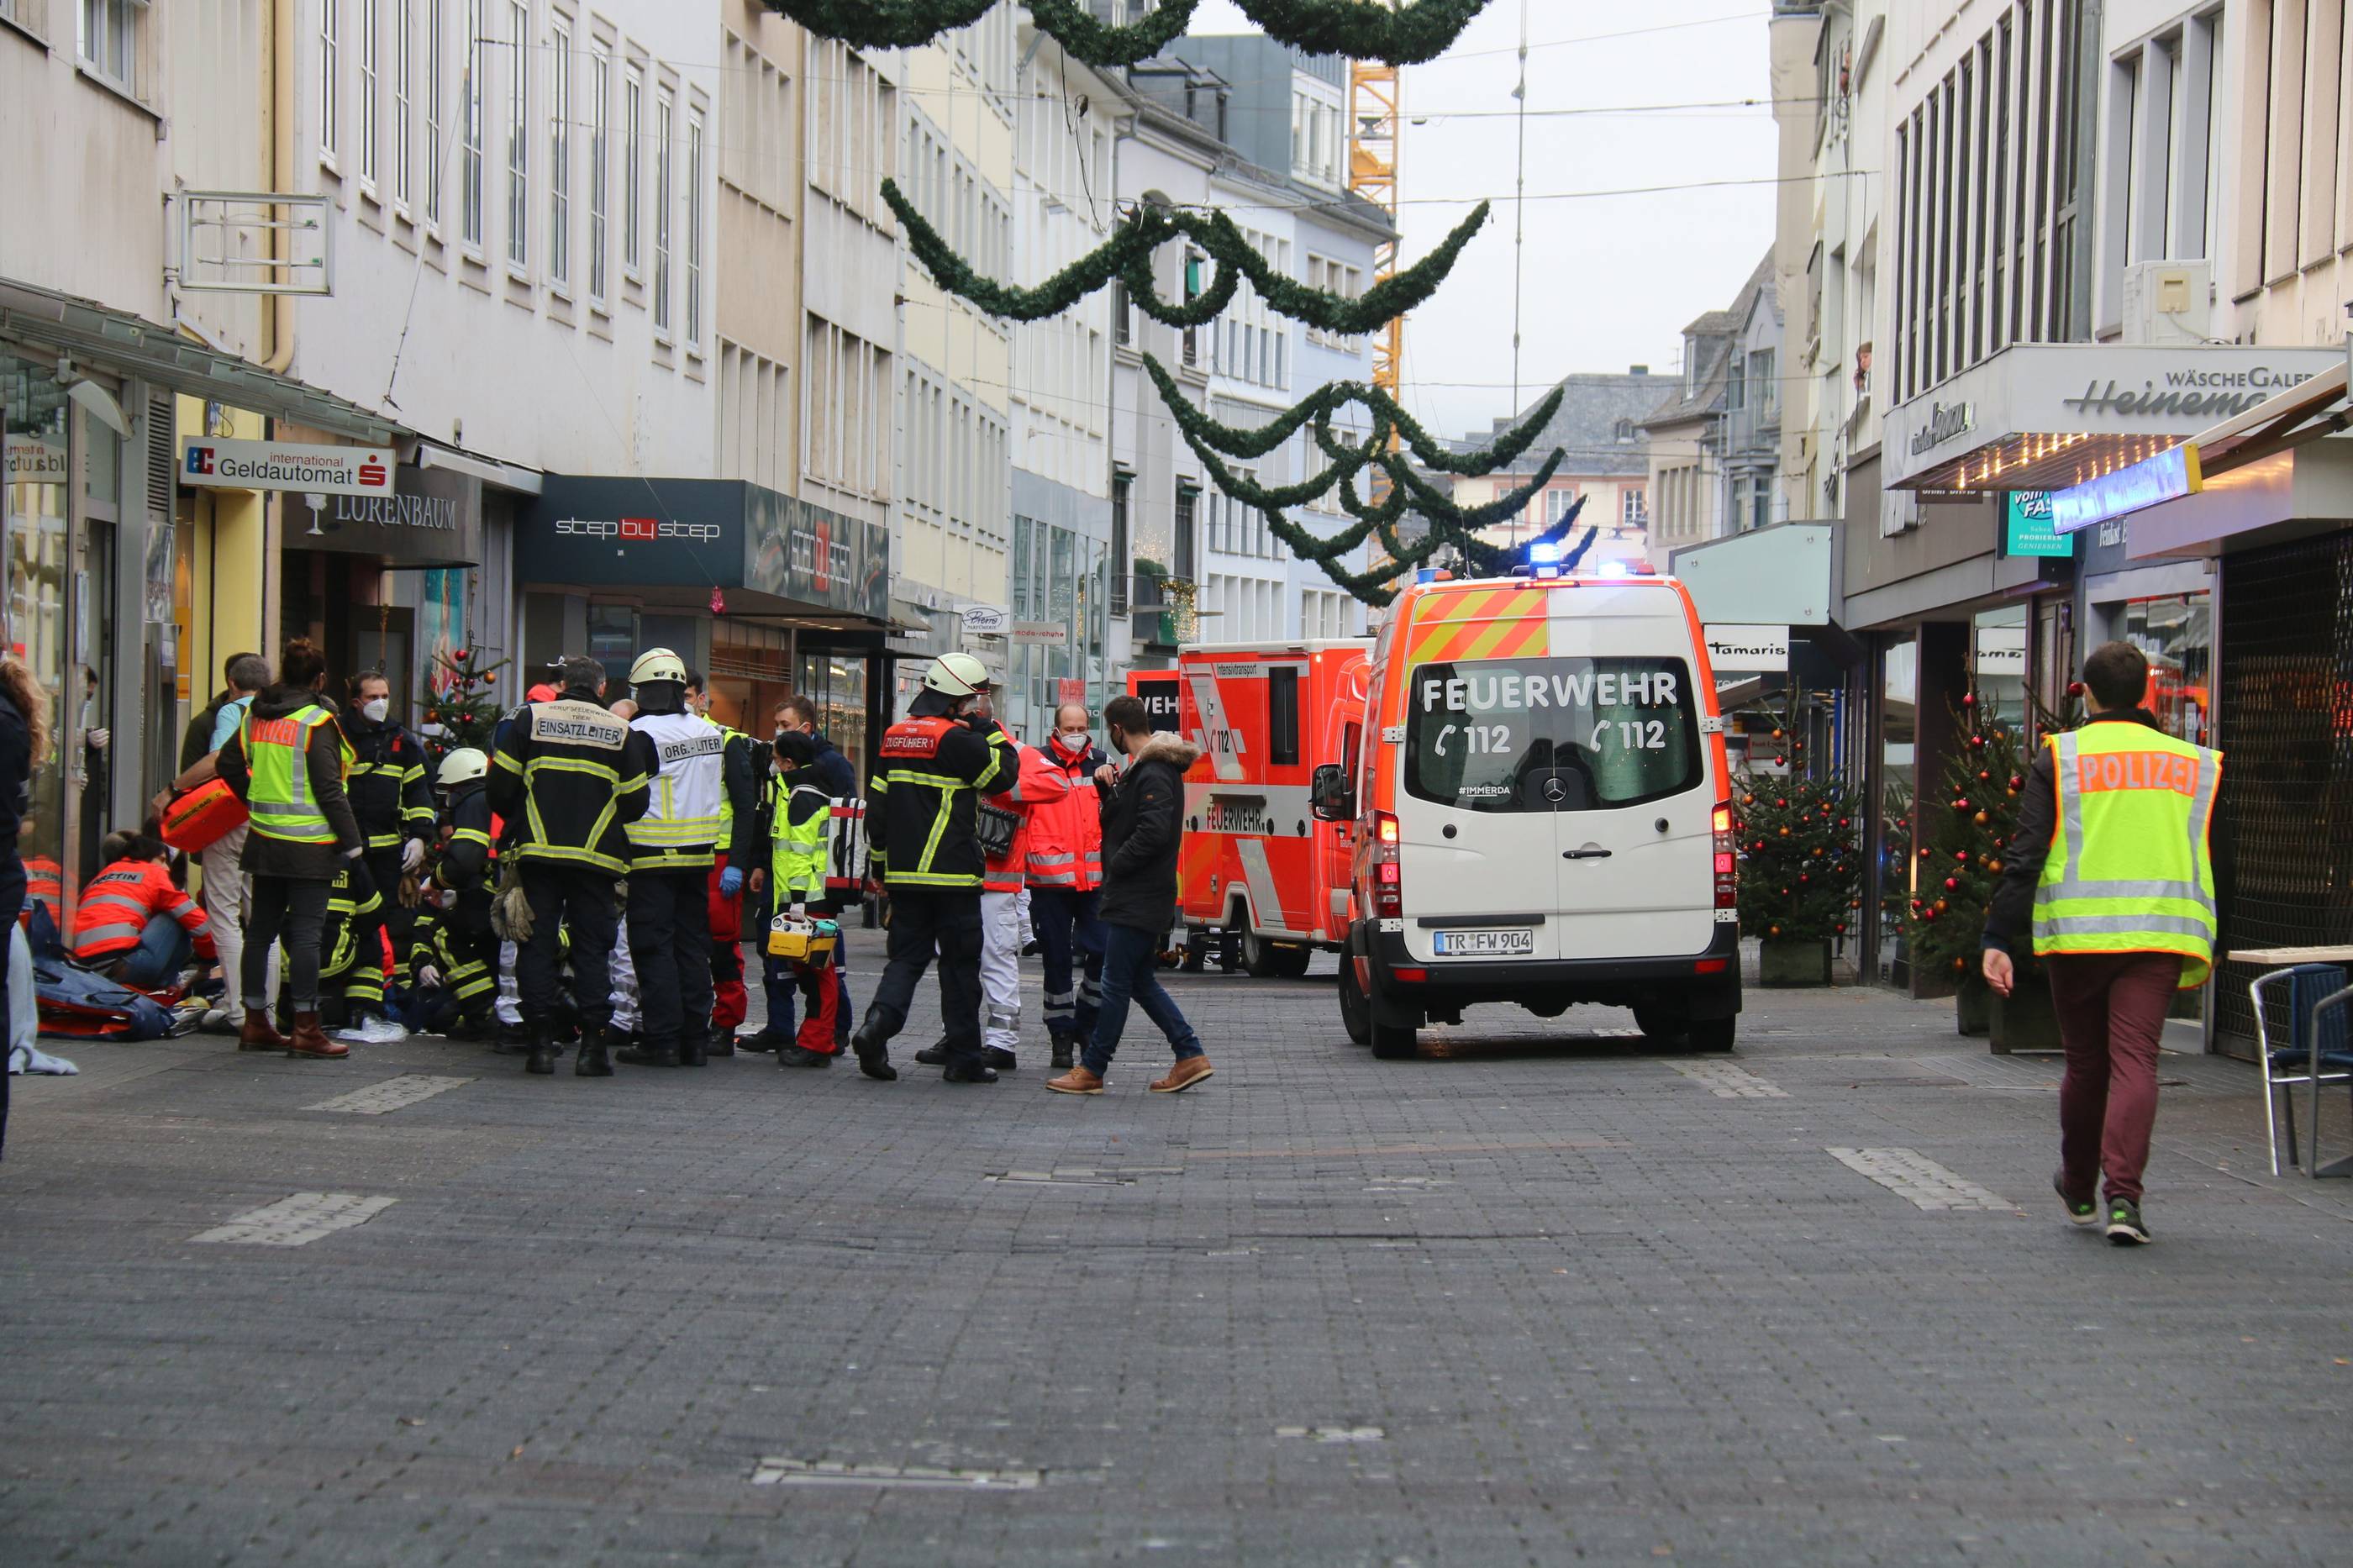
(1711, 334)
(1586, 426)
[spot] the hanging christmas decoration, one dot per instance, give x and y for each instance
(1405, 35)
(1128, 256)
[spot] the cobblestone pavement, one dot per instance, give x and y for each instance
(1544, 1296)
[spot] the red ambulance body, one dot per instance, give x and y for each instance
(1256, 862)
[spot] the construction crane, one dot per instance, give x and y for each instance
(1376, 122)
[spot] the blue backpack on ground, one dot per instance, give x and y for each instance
(82, 1003)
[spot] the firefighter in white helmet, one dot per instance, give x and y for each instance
(672, 848)
(923, 845)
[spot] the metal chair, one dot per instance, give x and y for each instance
(2317, 1051)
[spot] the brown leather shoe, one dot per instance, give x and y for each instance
(309, 1040)
(1183, 1076)
(1078, 1080)
(259, 1032)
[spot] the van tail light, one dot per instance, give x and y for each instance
(1727, 863)
(1389, 874)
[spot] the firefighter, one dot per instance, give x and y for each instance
(390, 796)
(741, 773)
(568, 780)
(931, 768)
(453, 950)
(1065, 872)
(672, 848)
(800, 825)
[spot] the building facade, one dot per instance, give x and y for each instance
(1601, 430)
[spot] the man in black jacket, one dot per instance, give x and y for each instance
(1143, 828)
(394, 803)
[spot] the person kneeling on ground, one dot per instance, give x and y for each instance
(1143, 828)
(133, 924)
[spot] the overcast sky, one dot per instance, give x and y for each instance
(1608, 281)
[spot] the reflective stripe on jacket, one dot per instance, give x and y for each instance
(929, 775)
(1065, 837)
(276, 756)
(1039, 783)
(800, 853)
(2129, 869)
(568, 778)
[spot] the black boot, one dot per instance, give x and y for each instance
(934, 1055)
(543, 1052)
(722, 1043)
(596, 1059)
(1063, 1052)
(999, 1058)
(798, 1057)
(969, 1072)
(510, 1039)
(648, 1054)
(693, 1052)
(873, 1052)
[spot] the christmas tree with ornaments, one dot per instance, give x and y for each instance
(1961, 862)
(460, 703)
(1801, 868)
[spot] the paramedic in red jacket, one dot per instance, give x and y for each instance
(1004, 880)
(132, 924)
(1065, 870)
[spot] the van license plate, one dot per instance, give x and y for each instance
(1483, 943)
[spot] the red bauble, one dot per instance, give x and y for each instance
(1803, 877)
(1840, 927)
(1842, 822)
(1952, 884)
(463, 654)
(2074, 688)
(1977, 742)
(2016, 781)
(1781, 806)
(1925, 853)
(1971, 700)
(1927, 915)
(1962, 803)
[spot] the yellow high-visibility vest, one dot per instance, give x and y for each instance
(279, 794)
(2129, 871)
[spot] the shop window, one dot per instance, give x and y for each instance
(2176, 632)
(1898, 742)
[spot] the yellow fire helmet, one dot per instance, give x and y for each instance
(957, 675)
(658, 664)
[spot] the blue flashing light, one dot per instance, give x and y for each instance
(1544, 553)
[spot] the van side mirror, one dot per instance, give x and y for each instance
(1329, 796)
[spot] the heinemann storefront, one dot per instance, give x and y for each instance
(1971, 577)
(769, 594)
(2258, 505)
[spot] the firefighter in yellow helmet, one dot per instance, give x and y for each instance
(672, 848)
(923, 845)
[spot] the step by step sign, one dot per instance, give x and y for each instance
(1041, 634)
(1753, 650)
(286, 466)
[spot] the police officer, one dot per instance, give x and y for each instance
(930, 771)
(2108, 874)
(395, 807)
(742, 770)
(800, 824)
(568, 779)
(672, 848)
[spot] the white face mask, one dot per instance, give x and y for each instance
(1074, 740)
(377, 710)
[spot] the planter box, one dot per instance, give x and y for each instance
(1788, 964)
(1973, 1008)
(2025, 1020)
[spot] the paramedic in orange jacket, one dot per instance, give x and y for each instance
(132, 924)
(1065, 870)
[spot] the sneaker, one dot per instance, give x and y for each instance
(376, 1029)
(1183, 1076)
(2080, 1211)
(2125, 1228)
(1078, 1080)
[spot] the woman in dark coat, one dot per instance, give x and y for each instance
(292, 875)
(23, 737)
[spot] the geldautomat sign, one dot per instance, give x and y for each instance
(703, 533)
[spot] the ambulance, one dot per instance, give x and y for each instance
(1257, 865)
(1541, 812)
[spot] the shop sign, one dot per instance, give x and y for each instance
(1041, 634)
(1749, 649)
(985, 620)
(33, 459)
(432, 518)
(2001, 650)
(2168, 475)
(1945, 420)
(633, 532)
(2027, 529)
(286, 466)
(802, 551)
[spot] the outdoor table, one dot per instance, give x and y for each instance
(2288, 958)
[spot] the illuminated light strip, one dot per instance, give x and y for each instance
(2168, 475)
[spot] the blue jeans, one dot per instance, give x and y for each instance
(1070, 938)
(1132, 970)
(163, 950)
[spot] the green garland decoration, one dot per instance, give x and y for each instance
(1128, 256)
(1359, 29)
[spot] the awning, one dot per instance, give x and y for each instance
(2280, 423)
(117, 342)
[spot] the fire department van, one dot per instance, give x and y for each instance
(1256, 862)
(1543, 812)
